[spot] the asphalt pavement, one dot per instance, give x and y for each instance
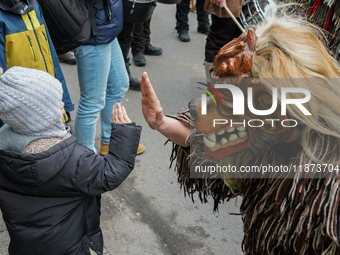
(149, 214)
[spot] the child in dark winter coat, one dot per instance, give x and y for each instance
(50, 185)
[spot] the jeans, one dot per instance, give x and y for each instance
(103, 82)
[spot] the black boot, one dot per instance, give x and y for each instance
(203, 28)
(134, 82)
(183, 36)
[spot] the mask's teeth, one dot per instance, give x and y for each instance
(208, 143)
(212, 137)
(221, 132)
(233, 137)
(229, 130)
(224, 141)
(242, 134)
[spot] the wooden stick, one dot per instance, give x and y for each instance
(235, 20)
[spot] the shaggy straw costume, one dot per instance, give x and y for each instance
(294, 215)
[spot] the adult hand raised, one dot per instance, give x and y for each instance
(151, 107)
(152, 110)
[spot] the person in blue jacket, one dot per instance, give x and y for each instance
(25, 41)
(102, 75)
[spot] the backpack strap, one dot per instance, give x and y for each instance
(93, 8)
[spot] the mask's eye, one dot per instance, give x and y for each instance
(227, 107)
(227, 103)
(265, 100)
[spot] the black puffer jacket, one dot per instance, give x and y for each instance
(51, 200)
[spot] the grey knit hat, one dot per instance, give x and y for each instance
(30, 102)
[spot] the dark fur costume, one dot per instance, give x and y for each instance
(281, 215)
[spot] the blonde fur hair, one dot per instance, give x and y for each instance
(288, 47)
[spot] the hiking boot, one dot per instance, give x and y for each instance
(68, 58)
(104, 149)
(134, 83)
(151, 50)
(141, 149)
(204, 29)
(139, 59)
(183, 36)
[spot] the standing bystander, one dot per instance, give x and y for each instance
(182, 25)
(25, 41)
(141, 45)
(102, 75)
(222, 30)
(137, 37)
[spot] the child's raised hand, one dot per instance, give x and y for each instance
(119, 115)
(151, 107)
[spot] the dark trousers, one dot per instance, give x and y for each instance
(1, 123)
(222, 31)
(124, 39)
(141, 36)
(182, 11)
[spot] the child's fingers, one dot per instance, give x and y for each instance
(125, 116)
(113, 110)
(116, 114)
(120, 114)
